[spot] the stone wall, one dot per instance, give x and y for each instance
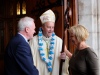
(89, 16)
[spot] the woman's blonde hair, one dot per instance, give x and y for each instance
(80, 32)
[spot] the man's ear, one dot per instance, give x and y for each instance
(26, 29)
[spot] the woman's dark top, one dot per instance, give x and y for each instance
(84, 62)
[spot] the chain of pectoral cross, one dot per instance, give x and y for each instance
(47, 47)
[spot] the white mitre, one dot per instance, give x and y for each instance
(47, 16)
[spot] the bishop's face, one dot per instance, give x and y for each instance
(48, 28)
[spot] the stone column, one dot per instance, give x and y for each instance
(98, 23)
(87, 10)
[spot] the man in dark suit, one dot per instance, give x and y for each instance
(18, 58)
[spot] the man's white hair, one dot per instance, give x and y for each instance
(24, 22)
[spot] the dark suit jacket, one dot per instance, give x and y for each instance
(18, 58)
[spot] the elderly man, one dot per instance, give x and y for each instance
(18, 58)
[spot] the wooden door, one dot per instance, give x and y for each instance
(34, 8)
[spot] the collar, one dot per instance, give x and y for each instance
(23, 37)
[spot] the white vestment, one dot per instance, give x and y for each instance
(40, 64)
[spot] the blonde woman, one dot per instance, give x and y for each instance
(84, 60)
